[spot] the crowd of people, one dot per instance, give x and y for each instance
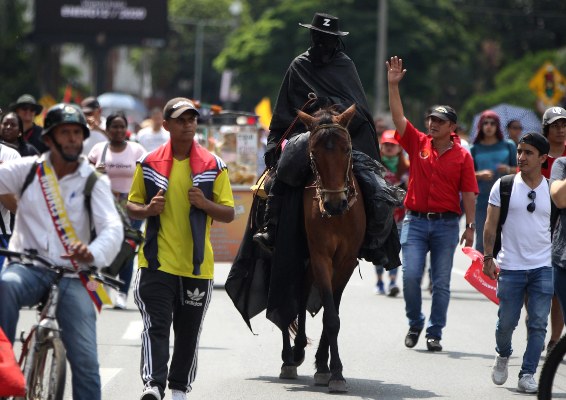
(164, 178)
(161, 175)
(529, 268)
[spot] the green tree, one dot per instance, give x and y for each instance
(17, 67)
(262, 51)
(173, 67)
(511, 84)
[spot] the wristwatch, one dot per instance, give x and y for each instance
(471, 225)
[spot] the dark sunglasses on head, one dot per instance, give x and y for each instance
(532, 206)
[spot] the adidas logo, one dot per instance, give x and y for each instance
(195, 298)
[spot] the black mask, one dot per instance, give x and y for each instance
(324, 47)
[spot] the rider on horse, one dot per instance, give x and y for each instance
(328, 72)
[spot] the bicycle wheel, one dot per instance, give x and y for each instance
(552, 380)
(46, 377)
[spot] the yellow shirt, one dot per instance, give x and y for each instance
(175, 240)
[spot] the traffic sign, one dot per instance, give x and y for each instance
(548, 84)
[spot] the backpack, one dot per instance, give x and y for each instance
(505, 189)
(132, 237)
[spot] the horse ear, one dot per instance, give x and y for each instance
(345, 118)
(306, 119)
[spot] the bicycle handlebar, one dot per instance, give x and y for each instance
(31, 255)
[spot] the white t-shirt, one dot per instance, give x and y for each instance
(7, 154)
(120, 167)
(151, 139)
(525, 236)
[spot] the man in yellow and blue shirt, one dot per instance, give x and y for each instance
(180, 188)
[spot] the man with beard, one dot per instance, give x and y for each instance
(325, 70)
(53, 196)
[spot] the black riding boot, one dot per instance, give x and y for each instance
(266, 236)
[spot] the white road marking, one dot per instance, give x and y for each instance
(107, 374)
(134, 331)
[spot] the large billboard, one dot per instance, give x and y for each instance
(111, 21)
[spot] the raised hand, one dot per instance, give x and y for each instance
(395, 71)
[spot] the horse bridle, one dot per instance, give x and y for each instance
(349, 188)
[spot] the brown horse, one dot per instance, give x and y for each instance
(335, 223)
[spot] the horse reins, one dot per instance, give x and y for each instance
(349, 188)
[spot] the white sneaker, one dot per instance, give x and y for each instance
(178, 395)
(151, 393)
(527, 384)
(121, 300)
(499, 371)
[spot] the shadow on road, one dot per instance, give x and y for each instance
(364, 388)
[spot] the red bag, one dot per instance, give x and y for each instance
(12, 382)
(477, 278)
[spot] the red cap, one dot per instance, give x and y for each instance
(388, 136)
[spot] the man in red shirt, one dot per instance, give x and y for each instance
(440, 169)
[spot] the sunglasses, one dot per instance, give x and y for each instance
(489, 123)
(27, 108)
(532, 206)
(516, 127)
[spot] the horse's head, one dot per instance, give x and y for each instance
(330, 149)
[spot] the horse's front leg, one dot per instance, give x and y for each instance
(322, 374)
(331, 327)
(288, 369)
(336, 383)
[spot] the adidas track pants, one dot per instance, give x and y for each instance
(163, 299)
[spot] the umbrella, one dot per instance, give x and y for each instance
(528, 118)
(133, 107)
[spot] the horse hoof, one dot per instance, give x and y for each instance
(288, 372)
(337, 386)
(321, 378)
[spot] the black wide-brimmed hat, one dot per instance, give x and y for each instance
(26, 100)
(325, 23)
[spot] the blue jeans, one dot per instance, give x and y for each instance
(512, 286)
(560, 287)
(4, 240)
(25, 286)
(481, 216)
(125, 274)
(418, 237)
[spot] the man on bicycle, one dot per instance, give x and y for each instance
(51, 218)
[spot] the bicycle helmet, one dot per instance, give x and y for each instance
(64, 113)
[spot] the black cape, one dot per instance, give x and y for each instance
(334, 83)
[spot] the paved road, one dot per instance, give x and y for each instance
(236, 364)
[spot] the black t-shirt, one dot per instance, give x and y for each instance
(33, 137)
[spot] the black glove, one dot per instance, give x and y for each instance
(270, 158)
